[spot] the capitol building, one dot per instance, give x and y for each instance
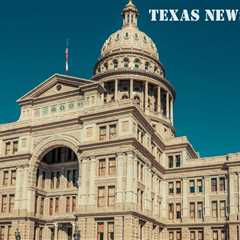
(99, 159)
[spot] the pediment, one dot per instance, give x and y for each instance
(55, 85)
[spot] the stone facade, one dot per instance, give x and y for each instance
(101, 157)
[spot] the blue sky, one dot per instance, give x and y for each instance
(201, 59)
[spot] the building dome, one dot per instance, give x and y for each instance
(129, 37)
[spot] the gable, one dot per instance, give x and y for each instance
(55, 85)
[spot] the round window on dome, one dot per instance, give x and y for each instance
(137, 63)
(117, 37)
(115, 63)
(145, 39)
(126, 62)
(126, 35)
(147, 65)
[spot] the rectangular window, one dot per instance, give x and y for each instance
(111, 195)
(51, 206)
(215, 235)
(112, 131)
(11, 202)
(200, 210)
(178, 235)
(222, 184)
(192, 235)
(43, 179)
(171, 235)
(13, 177)
(73, 204)
(200, 185)
(102, 167)
(40, 233)
(4, 204)
(141, 200)
(68, 204)
(192, 186)
(52, 180)
(170, 188)
(223, 237)
(103, 133)
(5, 178)
(178, 161)
(214, 209)
(100, 231)
(57, 179)
(214, 184)
(42, 206)
(15, 147)
(222, 209)
(200, 235)
(141, 172)
(36, 205)
(178, 211)
(192, 210)
(7, 148)
(178, 187)
(74, 177)
(170, 161)
(2, 233)
(170, 211)
(101, 196)
(112, 167)
(56, 205)
(110, 231)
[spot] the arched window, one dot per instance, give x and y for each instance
(137, 63)
(124, 97)
(59, 155)
(115, 63)
(126, 62)
(147, 65)
(137, 100)
(106, 65)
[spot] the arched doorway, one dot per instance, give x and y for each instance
(56, 187)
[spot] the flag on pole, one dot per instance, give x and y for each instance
(66, 56)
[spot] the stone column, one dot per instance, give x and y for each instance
(207, 204)
(92, 190)
(163, 194)
(231, 194)
(159, 99)
(172, 119)
(239, 198)
(135, 180)
(56, 231)
(233, 234)
(146, 95)
(118, 228)
(91, 228)
(83, 184)
(185, 233)
(131, 89)
(148, 197)
(116, 90)
(168, 111)
(129, 185)
(185, 206)
(207, 232)
(119, 189)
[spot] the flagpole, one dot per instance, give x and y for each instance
(67, 56)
